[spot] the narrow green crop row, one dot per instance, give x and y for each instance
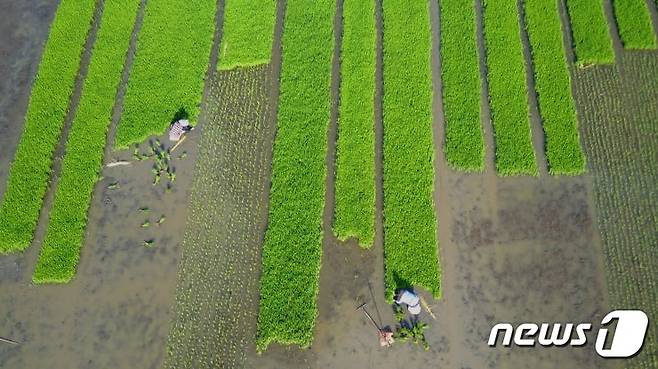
(553, 85)
(51, 92)
(292, 251)
(168, 74)
(86, 142)
(508, 92)
(248, 30)
(460, 76)
(355, 160)
(410, 245)
(634, 24)
(589, 28)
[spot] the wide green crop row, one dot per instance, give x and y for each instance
(553, 85)
(355, 170)
(248, 30)
(292, 251)
(591, 36)
(410, 245)
(86, 142)
(171, 61)
(634, 24)
(51, 92)
(464, 148)
(508, 92)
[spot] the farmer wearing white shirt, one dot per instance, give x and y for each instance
(410, 299)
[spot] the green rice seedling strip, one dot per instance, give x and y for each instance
(464, 147)
(634, 24)
(85, 146)
(508, 92)
(171, 61)
(248, 30)
(591, 37)
(410, 245)
(51, 92)
(292, 251)
(355, 172)
(553, 86)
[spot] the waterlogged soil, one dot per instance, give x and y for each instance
(23, 31)
(116, 311)
(512, 250)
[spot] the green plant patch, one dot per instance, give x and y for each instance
(589, 28)
(508, 92)
(293, 242)
(410, 245)
(460, 75)
(634, 24)
(167, 76)
(83, 160)
(248, 30)
(355, 158)
(46, 112)
(553, 85)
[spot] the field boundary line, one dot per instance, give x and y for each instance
(537, 133)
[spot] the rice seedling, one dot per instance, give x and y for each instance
(634, 24)
(355, 157)
(460, 76)
(83, 160)
(589, 28)
(167, 77)
(508, 92)
(248, 30)
(410, 245)
(553, 86)
(618, 110)
(53, 86)
(146, 224)
(292, 251)
(227, 192)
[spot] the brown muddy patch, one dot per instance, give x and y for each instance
(115, 313)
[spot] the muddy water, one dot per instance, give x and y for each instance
(23, 30)
(115, 313)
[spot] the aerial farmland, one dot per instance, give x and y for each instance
(299, 184)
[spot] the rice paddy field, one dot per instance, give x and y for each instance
(499, 158)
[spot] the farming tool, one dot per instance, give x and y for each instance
(177, 144)
(427, 307)
(385, 336)
(7, 340)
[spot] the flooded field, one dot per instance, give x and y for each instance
(116, 312)
(512, 249)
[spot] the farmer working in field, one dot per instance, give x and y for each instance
(410, 299)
